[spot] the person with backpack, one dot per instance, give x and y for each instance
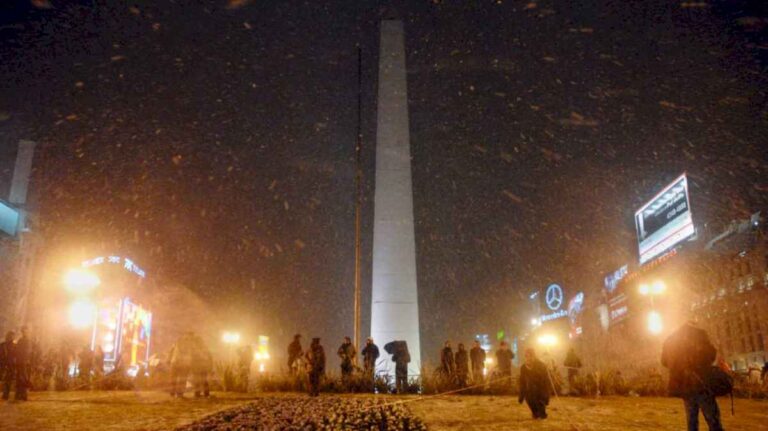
(688, 354)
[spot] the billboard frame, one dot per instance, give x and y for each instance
(650, 247)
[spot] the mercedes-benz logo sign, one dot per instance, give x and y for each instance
(554, 297)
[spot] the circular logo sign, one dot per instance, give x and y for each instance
(554, 297)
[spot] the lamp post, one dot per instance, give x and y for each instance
(230, 337)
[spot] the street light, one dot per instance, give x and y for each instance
(80, 282)
(229, 337)
(655, 325)
(547, 340)
(656, 288)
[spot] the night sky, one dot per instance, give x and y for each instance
(215, 144)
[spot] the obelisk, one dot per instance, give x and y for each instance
(394, 299)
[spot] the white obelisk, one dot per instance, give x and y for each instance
(395, 305)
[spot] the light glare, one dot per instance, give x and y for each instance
(230, 337)
(655, 325)
(82, 313)
(79, 281)
(547, 340)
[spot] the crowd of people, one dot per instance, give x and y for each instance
(694, 373)
(313, 360)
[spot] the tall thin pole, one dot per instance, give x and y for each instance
(359, 194)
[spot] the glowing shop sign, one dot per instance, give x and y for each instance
(116, 260)
(554, 297)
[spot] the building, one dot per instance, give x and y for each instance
(732, 304)
(720, 282)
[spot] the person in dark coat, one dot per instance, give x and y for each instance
(6, 363)
(348, 355)
(370, 355)
(534, 385)
(477, 358)
(504, 358)
(294, 354)
(316, 366)
(401, 357)
(573, 364)
(688, 354)
(462, 365)
(447, 362)
(22, 357)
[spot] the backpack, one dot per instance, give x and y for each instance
(719, 382)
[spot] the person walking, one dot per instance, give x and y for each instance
(348, 354)
(462, 365)
(504, 358)
(22, 357)
(534, 385)
(572, 363)
(370, 354)
(181, 364)
(6, 364)
(688, 354)
(315, 357)
(294, 354)
(447, 362)
(477, 358)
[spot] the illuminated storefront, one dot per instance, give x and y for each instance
(123, 332)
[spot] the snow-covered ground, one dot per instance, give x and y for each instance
(157, 411)
(572, 414)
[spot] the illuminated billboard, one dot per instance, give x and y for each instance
(665, 220)
(123, 332)
(612, 280)
(575, 308)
